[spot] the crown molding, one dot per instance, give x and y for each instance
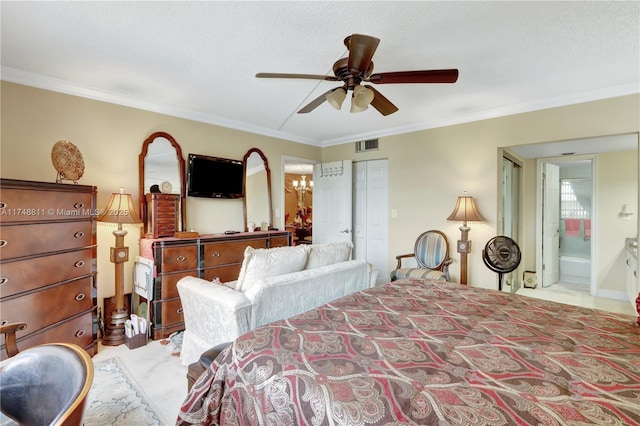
(13, 75)
(559, 101)
(26, 78)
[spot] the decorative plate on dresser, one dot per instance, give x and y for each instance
(67, 160)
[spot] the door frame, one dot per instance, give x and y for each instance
(515, 213)
(593, 287)
(285, 159)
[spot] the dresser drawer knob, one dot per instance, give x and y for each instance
(181, 258)
(80, 333)
(3, 243)
(79, 264)
(3, 205)
(4, 280)
(78, 205)
(180, 310)
(215, 254)
(80, 297)
(79, 234)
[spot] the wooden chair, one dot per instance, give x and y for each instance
(46, 384)
(9, 331)
(431, 254)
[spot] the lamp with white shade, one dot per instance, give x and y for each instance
(465, 211)
(120, 210)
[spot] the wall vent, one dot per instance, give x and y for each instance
(367, 145)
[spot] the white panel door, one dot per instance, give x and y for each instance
(370, 214)
(332, 201)
(550, 224)
(360, 210)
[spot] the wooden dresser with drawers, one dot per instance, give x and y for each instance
(207, 257)
(48, 262)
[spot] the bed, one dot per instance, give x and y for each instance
(427, 352)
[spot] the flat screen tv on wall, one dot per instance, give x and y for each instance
(213, 177)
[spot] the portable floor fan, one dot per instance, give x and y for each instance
(501, 255)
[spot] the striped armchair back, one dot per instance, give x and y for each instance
(431, 250)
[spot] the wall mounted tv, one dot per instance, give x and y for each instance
(213, 177)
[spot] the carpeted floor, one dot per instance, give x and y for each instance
(116, 398)
(142, 386)
(156, 370)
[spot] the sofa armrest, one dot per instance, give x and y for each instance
(213, 314)
(373, 274)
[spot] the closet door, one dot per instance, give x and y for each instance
(370, 214)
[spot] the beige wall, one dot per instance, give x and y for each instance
(617, 184)
(427, 169)
(110, 138)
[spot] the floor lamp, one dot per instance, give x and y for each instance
(465, 211)
(120, 210)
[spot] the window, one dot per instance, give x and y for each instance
(575, 198)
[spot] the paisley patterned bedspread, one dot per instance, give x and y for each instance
(427, 352)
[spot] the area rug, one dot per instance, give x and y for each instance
(175, 340)
(116, 399)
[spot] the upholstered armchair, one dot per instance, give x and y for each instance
(430, 258)
(45, 384)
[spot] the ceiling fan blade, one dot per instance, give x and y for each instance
(382, 104)
(316, 102)
(361, 49)
(305, 76)
(427, 76)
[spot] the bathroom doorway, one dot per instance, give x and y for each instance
(566, 212)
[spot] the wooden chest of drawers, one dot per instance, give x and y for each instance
(163, 214)
(48, 262)
(205, 257)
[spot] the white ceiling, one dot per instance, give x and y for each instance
(198, 60)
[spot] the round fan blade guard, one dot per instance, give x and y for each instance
(501, 254)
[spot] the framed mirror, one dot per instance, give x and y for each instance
(161, 163)
(257, 189)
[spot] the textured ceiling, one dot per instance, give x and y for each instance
(198, 60)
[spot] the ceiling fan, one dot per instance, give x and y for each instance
(358, 68)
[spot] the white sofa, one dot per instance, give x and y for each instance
(273, 284)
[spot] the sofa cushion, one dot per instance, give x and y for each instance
(266, 263)
(328, 254)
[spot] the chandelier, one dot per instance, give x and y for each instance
(301, 186)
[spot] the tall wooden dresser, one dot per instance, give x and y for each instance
(207, 257)
(48, 262)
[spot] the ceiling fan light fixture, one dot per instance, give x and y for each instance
(361, 99)
(336, 98)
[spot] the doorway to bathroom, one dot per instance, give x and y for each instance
(566, 213)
